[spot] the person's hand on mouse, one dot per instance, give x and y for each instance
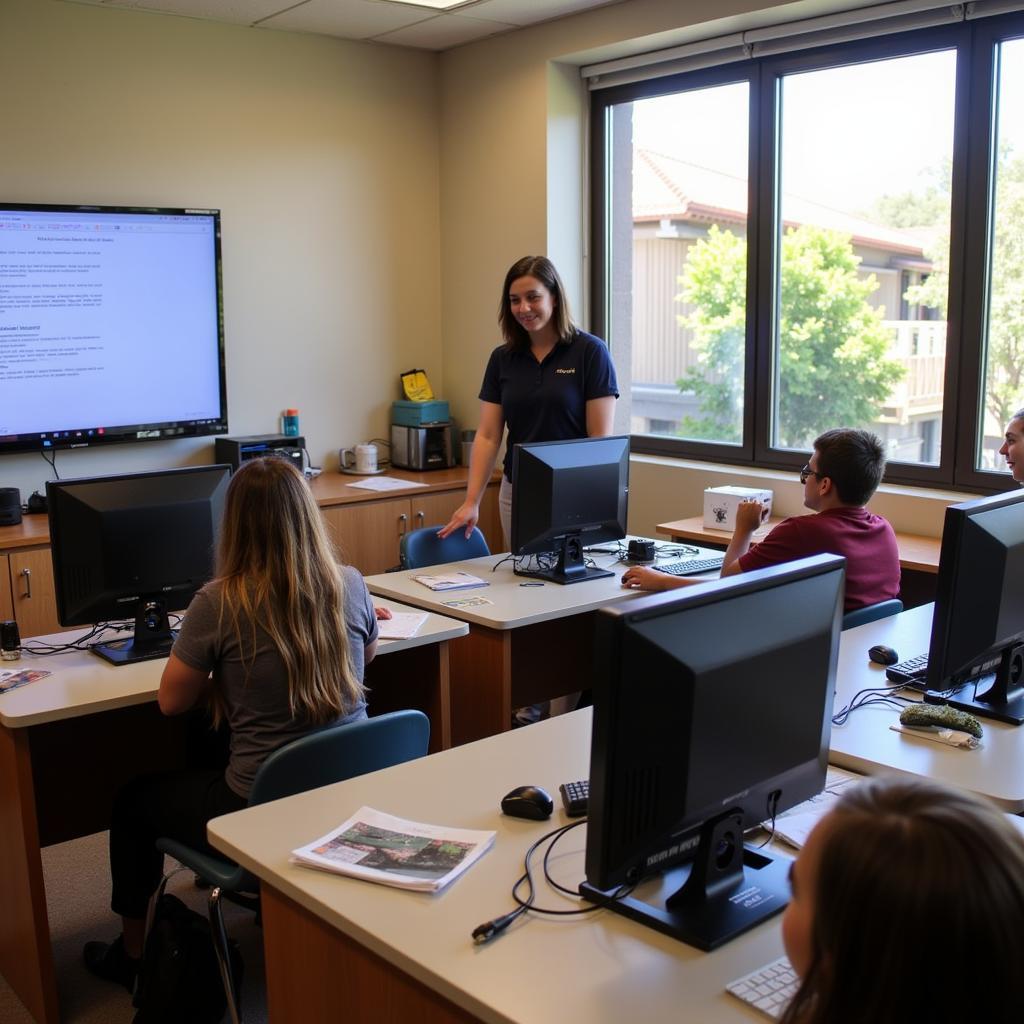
(381, 612)
(642, 577)
(749, 515)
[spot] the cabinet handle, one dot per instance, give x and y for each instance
(422, 517)
(403, 521)
(28, 582)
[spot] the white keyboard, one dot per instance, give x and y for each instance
(769, 990)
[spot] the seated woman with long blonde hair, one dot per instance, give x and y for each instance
(276, 645)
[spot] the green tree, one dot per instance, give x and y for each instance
(834, 367)
(1004, 353)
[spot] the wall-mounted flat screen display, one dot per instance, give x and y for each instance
(111, 325)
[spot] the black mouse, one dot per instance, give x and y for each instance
(882, 655)
(527, 802)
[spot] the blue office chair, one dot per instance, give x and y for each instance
(319, 759)
(423, 547)
(882, 610)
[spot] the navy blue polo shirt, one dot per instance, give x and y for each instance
(547, 401)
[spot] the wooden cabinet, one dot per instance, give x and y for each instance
(32, 600)
(368, 534)
(366, 526)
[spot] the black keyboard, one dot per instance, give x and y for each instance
(688, 566)
(913, 670)
(574, 797)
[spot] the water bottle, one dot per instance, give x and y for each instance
(290, 422)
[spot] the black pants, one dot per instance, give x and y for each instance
(173, 805)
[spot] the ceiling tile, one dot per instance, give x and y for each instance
(350, 19)
(444, 31)
(529, 12)
(240, 12)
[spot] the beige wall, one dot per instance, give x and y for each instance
(323, 158)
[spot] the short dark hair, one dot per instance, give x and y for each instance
(854, 460)
(1018, 415)
(913, 875)
(540, 267)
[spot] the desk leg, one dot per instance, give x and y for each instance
(415, 678)
(26, 957)
(316, 973)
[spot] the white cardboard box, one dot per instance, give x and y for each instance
(720, 505)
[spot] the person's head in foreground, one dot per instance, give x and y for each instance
(908, 906)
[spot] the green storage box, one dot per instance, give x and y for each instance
(416, 414)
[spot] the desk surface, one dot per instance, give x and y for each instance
(867, 744)
(599, 968)
(511, 604)
(82, 683)
(916, 551)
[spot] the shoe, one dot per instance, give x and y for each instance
(109, 961)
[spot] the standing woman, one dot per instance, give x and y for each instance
(549, 381)
(276, 643)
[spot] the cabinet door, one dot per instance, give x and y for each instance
(35, 606)
(434, 509)
(6, 604)
(367, 534)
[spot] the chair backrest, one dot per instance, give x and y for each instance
(423, 547)
(882, 610)
(341, 752)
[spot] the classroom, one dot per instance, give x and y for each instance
(372, 195)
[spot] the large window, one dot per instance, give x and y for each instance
(829, 238)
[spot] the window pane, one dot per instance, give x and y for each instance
(678, 263)
(1004, 348)
(863, 239)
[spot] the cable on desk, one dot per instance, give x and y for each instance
(885, 695)
(489, 929)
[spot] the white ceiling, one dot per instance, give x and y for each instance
(400, 24)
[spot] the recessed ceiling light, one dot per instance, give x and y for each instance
(437, 5)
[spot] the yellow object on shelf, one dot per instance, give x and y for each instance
(416, 386)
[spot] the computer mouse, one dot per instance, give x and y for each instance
(880, 654)
(527, 802)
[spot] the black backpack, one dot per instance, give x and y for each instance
(179, 982)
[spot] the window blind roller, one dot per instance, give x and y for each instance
(788, 37)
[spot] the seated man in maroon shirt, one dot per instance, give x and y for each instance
(840, 478)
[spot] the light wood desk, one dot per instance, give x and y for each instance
(527, 644)
(917, 552)
(867, 744)
(375, 954)
(69, 741)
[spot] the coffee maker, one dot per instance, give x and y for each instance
(429, 446)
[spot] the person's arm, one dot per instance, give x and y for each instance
(181, 686)
(749, 515)
(369, 652)
(600, 416)
(643, 577)
(481, 466)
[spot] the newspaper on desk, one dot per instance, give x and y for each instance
(401, 625)
(11, 679)
(392, 851)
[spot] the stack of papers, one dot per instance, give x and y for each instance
(451, 581)
(392, 851)
(401, 625)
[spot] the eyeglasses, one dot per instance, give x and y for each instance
(807, 471)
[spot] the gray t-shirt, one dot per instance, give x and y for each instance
(255, 690)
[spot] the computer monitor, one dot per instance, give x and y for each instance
(565, 495)
(712, 713)
(134, 546)
(977, 641)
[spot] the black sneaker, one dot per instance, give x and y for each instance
(109, 961)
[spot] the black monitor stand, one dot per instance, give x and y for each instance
(571, 566)
(727, 889)
(998, 695)
(153, 637)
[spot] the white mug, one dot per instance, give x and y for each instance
(363, 456)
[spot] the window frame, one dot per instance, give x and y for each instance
(970, 235)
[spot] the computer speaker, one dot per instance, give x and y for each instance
(10, 506)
